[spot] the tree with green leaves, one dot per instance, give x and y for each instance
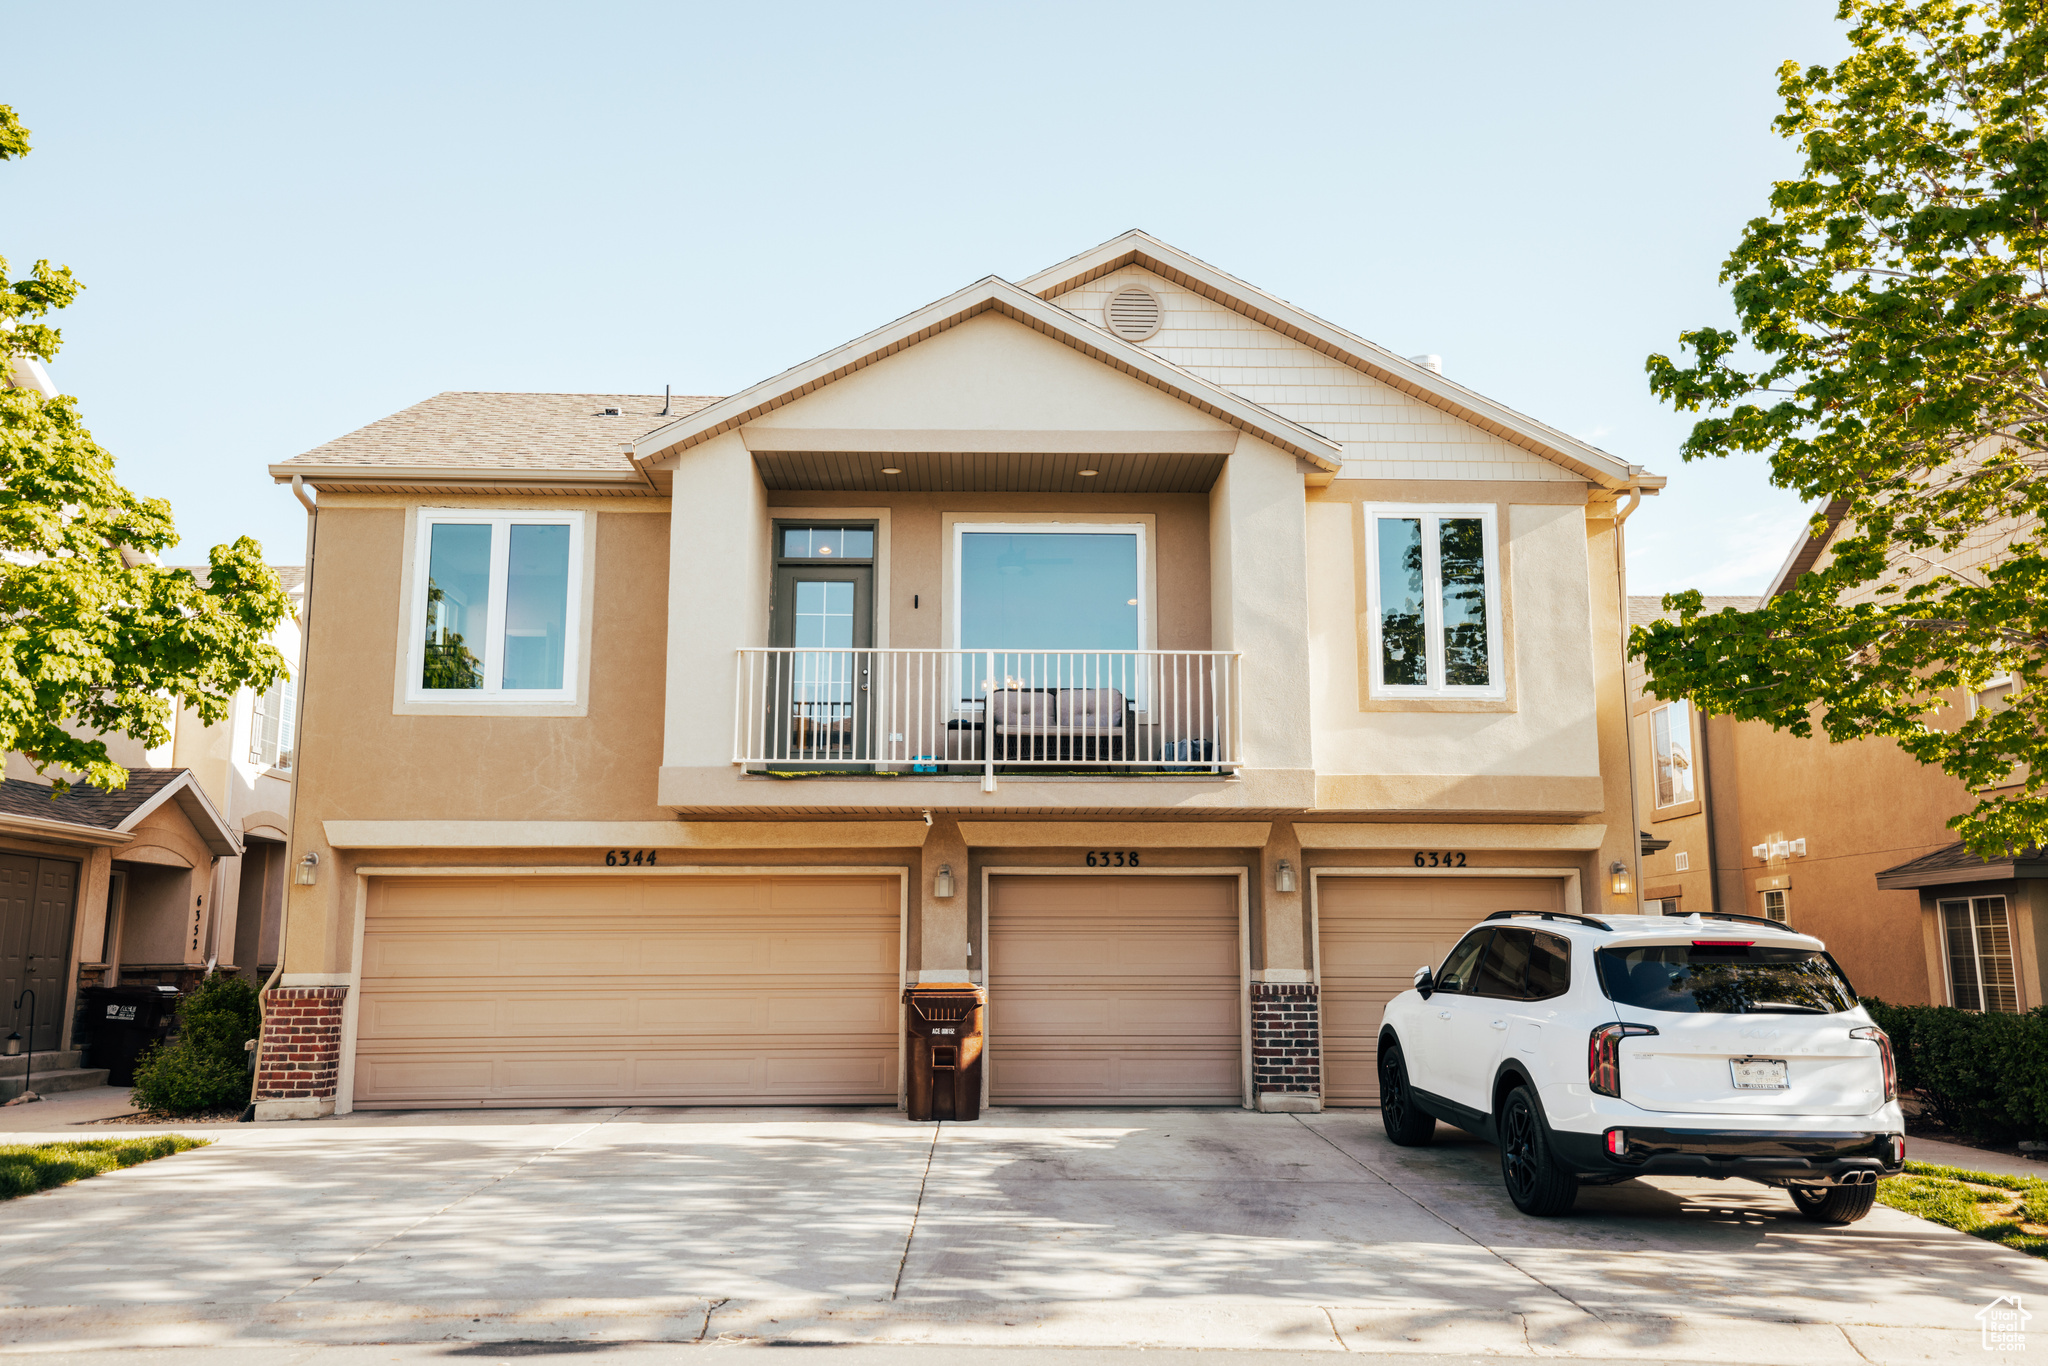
(1890, 356)
(95, 638)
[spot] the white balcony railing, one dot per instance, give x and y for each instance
(984, 711)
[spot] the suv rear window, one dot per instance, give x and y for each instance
(1724, 979)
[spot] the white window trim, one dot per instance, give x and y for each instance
(574, 625)
(1137, 529)
(1948, 962)
(1432, 612)
(1691, 774)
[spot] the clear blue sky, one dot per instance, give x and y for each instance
(293, 220)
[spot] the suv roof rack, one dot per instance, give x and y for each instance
(1557, 915)
(1745, 919)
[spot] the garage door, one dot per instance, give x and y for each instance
(1114, 991)
(649, 990)
(1374, 933)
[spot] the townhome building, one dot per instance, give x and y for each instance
(1849, 842)
(1177, 666)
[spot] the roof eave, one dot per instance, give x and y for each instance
(982, 296)
(69, 832)
(456, 478)
(1136, 247)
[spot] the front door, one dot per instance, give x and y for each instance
(37, 899)
(822, 625)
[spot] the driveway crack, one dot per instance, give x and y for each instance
(1504, 1261)
(709, 1310)
(916, 1209)
(513, 1170)
(1335, 1331)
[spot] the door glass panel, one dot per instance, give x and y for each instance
(824, 614)
(536, 606)
(458, 606)
(1461, 557)
(827, 543)
(1403, 659)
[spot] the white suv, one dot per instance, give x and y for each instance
(1592, 1051)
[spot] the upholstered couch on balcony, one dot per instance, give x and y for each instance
(1062, 723)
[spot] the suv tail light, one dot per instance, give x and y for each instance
(1603, 1056)
(1884, 1054)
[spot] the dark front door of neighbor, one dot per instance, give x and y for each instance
(822, 624)
(37, 899)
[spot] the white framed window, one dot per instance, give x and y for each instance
(270, 725)
(1777, 906)
(496, 605)
(1433, 615)
(1671, 748)
(1996, 694)
(1049, 586)
(1976, 935)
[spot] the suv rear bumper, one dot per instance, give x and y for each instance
(1776, 1156)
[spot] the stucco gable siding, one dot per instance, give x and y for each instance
(1386, 433)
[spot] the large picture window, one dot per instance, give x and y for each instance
(1434, 610)
(1978, 937)
(496, 598)
(1671, 751)
(1054, 586)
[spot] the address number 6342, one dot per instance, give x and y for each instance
(1432, 858)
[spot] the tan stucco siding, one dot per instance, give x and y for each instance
(1259, 563)
(1548, 728)
(1386, 433)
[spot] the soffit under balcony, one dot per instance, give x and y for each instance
(937, 461)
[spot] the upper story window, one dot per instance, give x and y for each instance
(270, 725)
(1671, 750)
(1049, 586)
(1434, 610)
(496, 600)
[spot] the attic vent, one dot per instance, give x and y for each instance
(607, 412)
(1133, 313)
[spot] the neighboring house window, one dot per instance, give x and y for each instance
(495, 607)
(1978, 937)
(1995, 695)
(270, 726)
(1434, 610)
(1776, 907)
(1671, 746)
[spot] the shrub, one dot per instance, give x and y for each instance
(204, 1067)
(1981, 1074)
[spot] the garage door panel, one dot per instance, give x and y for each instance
(1372, 935)
(700, 994)
(1115, 990)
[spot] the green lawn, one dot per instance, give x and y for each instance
(2011, 1210)
(26, 1168)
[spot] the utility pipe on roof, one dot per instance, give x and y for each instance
(284, 907)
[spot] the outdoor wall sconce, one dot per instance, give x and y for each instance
(1283, 876)
(1619, 872)
(308, 871)
(942, 882)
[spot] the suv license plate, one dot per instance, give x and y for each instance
(1759, 1074)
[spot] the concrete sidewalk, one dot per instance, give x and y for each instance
(1214, 1229)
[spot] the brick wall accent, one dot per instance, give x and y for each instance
(1287, 1038)
(301, 1048)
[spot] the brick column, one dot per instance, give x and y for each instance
(298, 1064)
(1287, 1046)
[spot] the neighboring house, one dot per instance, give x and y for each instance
(1848, 842)
(182, 868)
(1179, 666)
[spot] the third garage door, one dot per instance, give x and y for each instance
(1114, 991)
(1374, 933)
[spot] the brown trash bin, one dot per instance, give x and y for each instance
(944, 1020)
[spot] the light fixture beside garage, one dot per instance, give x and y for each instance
(942, 882)
(1619, 872)
(308, 871)
(1283, 876)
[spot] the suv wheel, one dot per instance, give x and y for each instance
(1532, 1177)
(1406, 1124)
(1834, 1204)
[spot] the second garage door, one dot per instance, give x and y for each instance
(644, 990)
(1115, 991)
(1374, 933)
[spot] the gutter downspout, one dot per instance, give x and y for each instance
(284, 906)
(1628, 727)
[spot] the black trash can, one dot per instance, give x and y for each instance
(117, 1023)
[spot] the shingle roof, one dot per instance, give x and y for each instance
(84, 805)
(506, 431)
(1956, 864)
(1642, 611)
(292, 576)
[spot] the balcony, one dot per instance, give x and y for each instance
(964, 713)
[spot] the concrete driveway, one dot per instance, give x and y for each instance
(1165, 1228)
